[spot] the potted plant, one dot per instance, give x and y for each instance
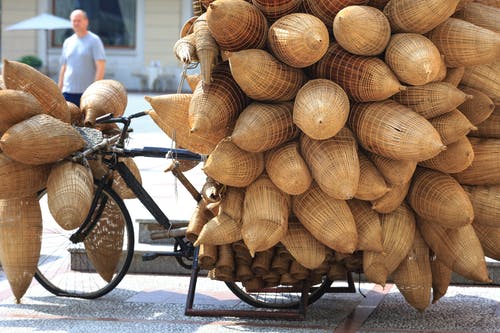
(31, 60)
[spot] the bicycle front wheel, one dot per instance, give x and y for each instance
(93, 267)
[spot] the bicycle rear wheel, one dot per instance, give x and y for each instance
(70, 269)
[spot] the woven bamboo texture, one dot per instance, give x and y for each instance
(433, 99)
(207, 50)
(490, 128)
(19, 76)
(16, 106)
(119, 184)
(263, 126)
(485, 79)
(243, 272)
(241, 252)
(489, 238)
(398, 233)
(459, 249)
(484, 169)
(200, 216)
(193, 80)
(441, 278)
(70, 189)
(457, 157)
(371, 184)
(321, 108)
(207, 256)
(185, 49)
(413, 277)
(482, 15)
(362, 30)
(20, 180)
(237, 25)
(224, 266)
(281, 264)
(443, 70)
(261, 263)
(20, 241)
(493, 3)
(265, 215)
(478, 108)
(486, 203)
(452, 126)
(380, 4)
(298, 39)
(418, 16)
(287, 168)
(264, 78)
(228, 164)
(76, 114)
(394, 171)
(465, 44)
(368, 226)
(101, 97)
(329, 220)
(297, 271)
(274, 9)
(334, 163)
(454, 75)
(40, 139)
(392, 130)
(463, 3)
(390, 201)
(364, 79)
(327, 9)
(413, 58)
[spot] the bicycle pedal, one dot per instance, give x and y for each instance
(149, 256)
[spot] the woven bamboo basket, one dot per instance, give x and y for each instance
(490, 128)
(76, 114)
(207, 50)
(459, 249)
(298, 39)
(280, 265)
(454, 75)
(19, 76)
(485, 79)
(70, 189)
(40, 139)
(243, 272)
(225, 265)
(463, 3)
(185, 49)
(101, 97)
(265, 215)
(452, 126)
(297, 271)
(413, 277)
(394, 171)
(443, 70)
(367, 225)
(390, 201)
(457, 157)
(478, 108)
(326, 10)
(237, 25)
(241, 253)
(493, 3)
(271, 280)
(418, 16)
(320, 108)
(187, 26)
(215, 106)
(193, 80)
(336, 272)
(261, 263)
(433, 99)
(392, 130)
(484, 168)
(304, 248)
(364, 79)
(439, 198)
(486, 204)
(254, 284)
(200, 216)
(398, 233)
(264, 78)
(371, 184)
(287, 168)
(489, 238)
(334, 163)
(119, 184)
(20, 241)
(380, 4)
(207, 256)
(480, 14)
(274, 9)
(441, 278)
(413, 58)
(329, 220)
(16, 106)
(104, 244)
(464, 44)
(362, 30)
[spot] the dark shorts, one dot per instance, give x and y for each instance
(73, 98)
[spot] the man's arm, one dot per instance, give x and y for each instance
(100, 66)
(61, 76)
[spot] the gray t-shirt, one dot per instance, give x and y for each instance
(79, 55)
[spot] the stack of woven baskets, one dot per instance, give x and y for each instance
(350, 136)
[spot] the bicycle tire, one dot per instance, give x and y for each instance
(278, 297)
(64, 268)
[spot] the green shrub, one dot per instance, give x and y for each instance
(31, 60)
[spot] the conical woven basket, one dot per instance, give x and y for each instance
(452, 126)
(486, 203)
(398, 233)
(334, 163)
(418, 16)
(478, 108)
(40, 139)
(457, 157)
(327, 9)
(488, 237)
(185, 49)
(367, 225)
(484, 78)
(394, 171)
(441, 278)
(119, 184)
(298, 39)
(261, 263)
(484, 168)
(19, 76)
(480, 14)
(438, 198)
(287, 169)
(364, 79)
(207, 256)
(264, 78)
(20, 180)
(263, 126)
(274, 9)
(371, 184)
(390, 201)
(225, 260)
(432, 99)
(413, 58)
(232, 202)
(70, 189)
(20, 241)
(207, 50)
(233, 166)
(443, 70)
(200, 216)
(463, 3)
(16, 106)
(76, 114)
(465, 44)
(394, 131)
(329, 220)
(458, 249)
(193, 80)
(101, 97)
(362, 30)
(237, 25)
(490, 128)
(454, 75)
(321, 108)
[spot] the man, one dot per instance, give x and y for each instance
(82, 59)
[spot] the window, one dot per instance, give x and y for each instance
(113, 20)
